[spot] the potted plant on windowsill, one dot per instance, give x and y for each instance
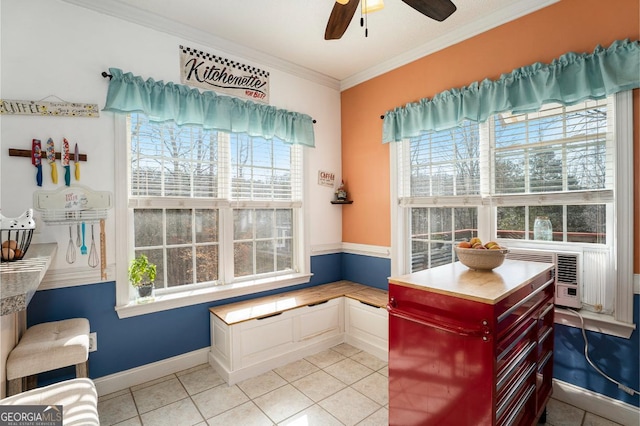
(142, 274)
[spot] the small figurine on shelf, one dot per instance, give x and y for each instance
(341, 193)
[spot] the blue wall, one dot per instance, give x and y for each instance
(368, 270)
(617, 357)
(132, 342)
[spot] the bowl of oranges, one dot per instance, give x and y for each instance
(483, 257)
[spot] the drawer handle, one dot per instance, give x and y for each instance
(514, 391)
(544, 361)
(525, 300)
(515, 342)
(317, 303)
(369, 304)
(520, 406)
(461, 331)
(269, 316)
(514, 364)
(545, 335)
(546, 311)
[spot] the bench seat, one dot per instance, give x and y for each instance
(262, 307)
(253, 336)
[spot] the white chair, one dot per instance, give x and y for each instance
(78, 398)
(49, 346)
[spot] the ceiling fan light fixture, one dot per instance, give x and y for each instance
(342, 1)
(369, 6)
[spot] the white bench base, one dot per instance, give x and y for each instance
(237, 376)
(249, 348)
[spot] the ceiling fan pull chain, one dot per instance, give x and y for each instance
(363, 11)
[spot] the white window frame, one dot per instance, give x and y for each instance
(621, 322)
(125, 303)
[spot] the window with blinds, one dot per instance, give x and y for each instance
(441, 182)
(557, 163)
(446, 163)
(498, 176)
(568, 164)
(188, 184)
(266, 182)
(262, 169)
(174, 161)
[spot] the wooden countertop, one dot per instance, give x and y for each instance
(19, 280)
(233, 313)
(490, 287)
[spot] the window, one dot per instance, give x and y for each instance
(216, 211)
(564, 154)
(494, 179)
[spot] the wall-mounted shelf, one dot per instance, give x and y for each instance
(342, 202)
(72, 204)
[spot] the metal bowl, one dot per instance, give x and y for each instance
(15, 243)
(481, 259)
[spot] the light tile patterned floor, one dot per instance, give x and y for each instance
(340, 386)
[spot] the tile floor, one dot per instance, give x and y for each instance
(339, 386)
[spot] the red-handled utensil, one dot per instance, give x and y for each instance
(65, 162)
(51, 156)
(36, 159)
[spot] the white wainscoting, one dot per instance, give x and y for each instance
(603, 406)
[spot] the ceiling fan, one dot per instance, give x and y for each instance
(343, 11)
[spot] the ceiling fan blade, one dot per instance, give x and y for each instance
(340, 19)
(434, 9)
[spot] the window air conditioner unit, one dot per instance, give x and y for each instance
(568, 272)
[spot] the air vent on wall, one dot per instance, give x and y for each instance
(567, 268)
(532, 255)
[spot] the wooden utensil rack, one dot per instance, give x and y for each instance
(13, 152)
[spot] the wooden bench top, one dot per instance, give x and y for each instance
(233, 313)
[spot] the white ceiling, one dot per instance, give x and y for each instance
(289, 34)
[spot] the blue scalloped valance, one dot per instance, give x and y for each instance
(570, 79)
(185, 105)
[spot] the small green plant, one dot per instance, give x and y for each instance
(141, 271)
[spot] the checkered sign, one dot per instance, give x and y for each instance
(207, 71)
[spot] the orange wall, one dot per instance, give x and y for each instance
(570, 25)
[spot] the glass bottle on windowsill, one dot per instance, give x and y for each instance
(542, 229)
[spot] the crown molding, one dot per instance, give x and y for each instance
(134, 15)
(514, 11)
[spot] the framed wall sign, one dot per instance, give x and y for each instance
(221, 75)
(326, 178)
(51, 109)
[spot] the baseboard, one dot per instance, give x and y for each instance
(380, 353)
(603, 406)
(135, 376)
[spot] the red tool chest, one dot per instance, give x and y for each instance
(471, 347)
